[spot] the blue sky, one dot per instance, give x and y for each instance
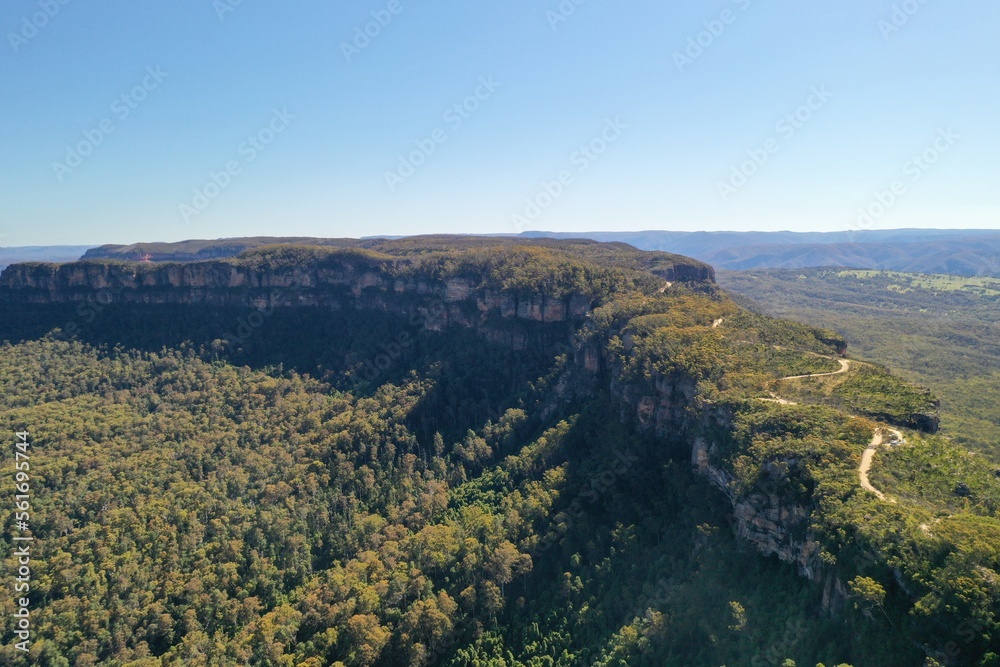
(253, 118)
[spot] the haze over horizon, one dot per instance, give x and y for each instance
(208, 120)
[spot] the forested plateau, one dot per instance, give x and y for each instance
(473, 452)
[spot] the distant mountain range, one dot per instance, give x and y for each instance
(959, 252)
(49, 253)
(974, 256)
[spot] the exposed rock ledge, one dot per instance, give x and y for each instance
(347, 284)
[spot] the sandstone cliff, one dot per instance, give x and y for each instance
(440, 304)
(361, 282)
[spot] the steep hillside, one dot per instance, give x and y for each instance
(494, 455)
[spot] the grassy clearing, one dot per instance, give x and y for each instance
(906, 282)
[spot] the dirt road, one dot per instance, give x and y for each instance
(869, 455)
(845, 365)
(877, 439)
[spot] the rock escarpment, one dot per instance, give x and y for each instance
(663, 404)
(219, 283)
(762, 516)
(446, 296)
(452, 295)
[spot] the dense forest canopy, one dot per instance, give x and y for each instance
(671, 480)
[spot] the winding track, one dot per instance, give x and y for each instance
(845, 365)
(866, 461)
(877, 439)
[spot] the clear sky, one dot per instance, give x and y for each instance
(172, 119)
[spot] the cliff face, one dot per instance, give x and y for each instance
(690, 272)
(762, 517)
(439, 304)
(662, 405)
